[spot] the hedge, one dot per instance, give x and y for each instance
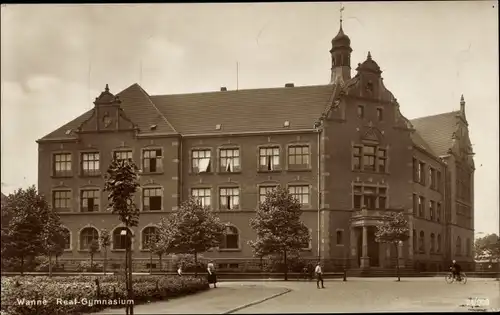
(17, 290)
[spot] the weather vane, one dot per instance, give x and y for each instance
(341, 9)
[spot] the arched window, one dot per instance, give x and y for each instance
(119, 238)
(87, 235)
(421, 242)
(148, 235)
(415, 241)
(458, 247)
(433, 242)
(438, 249)
(67, 238)
(468, 247)
(230, 239)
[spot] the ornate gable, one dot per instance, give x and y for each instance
(371, 134)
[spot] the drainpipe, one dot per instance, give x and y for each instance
(318, 126)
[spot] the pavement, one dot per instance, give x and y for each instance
(354, 295)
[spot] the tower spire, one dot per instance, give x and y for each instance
(462, 104)
(341, 54)
(341, 9)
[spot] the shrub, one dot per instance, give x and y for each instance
(17, 289)
(42, 264)
(187, 262)
(85, 266)
(274, 263)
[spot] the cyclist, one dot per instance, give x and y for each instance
(455, 269)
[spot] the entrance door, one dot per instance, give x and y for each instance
(373, 248)
(359, 249)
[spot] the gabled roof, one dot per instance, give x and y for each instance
(245, 110)
(435, 132)
(136, 104)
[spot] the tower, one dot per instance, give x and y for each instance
(341, 56)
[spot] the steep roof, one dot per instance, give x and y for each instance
(137, 106)
(435, 131)
(245, 110)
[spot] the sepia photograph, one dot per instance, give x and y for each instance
(248, 158)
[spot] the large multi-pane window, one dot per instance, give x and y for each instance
(415, 204)
(123, 155)
(90, 164)
(369, 158)
(229, 160)
(61, 200)
(87, 236)
(200, 161)
(152, 160)
(263, 190)
(149, 235)
(371, 197)
(230, 238)
(62, 164)
(152, 199)
(298, 157)
(120, 238)
(421, 206)
(421, 173)
(301, 193)
(202, 195)
(229, 198)
(269, 159)
(89, 200)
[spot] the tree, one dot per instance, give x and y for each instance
(22, 227)
(488, 248)
(157, 246)
(193, 229)
(393, 229)
(105, 242)
(93, 249)
(53, 235)
(278, 226)
(122, 182)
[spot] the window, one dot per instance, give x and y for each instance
(433, 242)
(369, 158)
(421, 173)
(230, 160)
(152, 199)
(432, 178)
(340, 240)
(300, 193)
(468, 251)
(123, 155)
(380, 114)
(298, 157)
(61, 200)
(415, 204)
(431, 209)
(458, 246)
(421, 242)
(438, 180)
(87, 236)
(229, 198)
(149, 235)
(421, 207)
(62, 164)
(438, 245)
(415, 170)
(67, 238)
(361, 111)
(202, 195)
(152, 161)
(201, 161)
(438, 212)
(89, 201)
(308, 244)
(269, 159)
(369, 196)
(90, 164)
(230, 238)
(263, 190)
(415, 241)
(119, 239)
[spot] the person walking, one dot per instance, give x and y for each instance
(212, 277)
(179, 271)
(319, 275)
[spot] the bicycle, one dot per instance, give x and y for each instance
(449, 278)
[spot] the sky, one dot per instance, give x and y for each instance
(55, 59)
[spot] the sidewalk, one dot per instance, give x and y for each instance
(225, 299)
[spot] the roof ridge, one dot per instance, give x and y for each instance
(435, 115)
(242, 90)
(154, 106)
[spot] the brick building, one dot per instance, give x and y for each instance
(344, 149)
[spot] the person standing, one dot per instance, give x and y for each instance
(179, 271)
(319, 275)
(212, 277)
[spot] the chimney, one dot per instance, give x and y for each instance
(223, 88)
(289, 85)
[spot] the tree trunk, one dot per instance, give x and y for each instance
(397, 262)
(50, 264)
(286, 265)
(91, 261)
(126, 279)
(159, 258)
(150, 261)
(105, 260)
(131, 288)
(195, 264)
(22, 265)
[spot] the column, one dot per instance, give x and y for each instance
(365, 260)
(353, 247)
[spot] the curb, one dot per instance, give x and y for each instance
(257, 302)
